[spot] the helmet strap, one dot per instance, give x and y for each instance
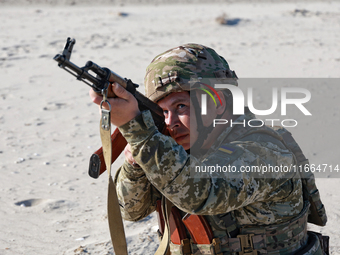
(203, 131)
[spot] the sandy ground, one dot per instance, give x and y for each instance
(49, 126)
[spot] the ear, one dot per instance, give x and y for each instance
(220, 107)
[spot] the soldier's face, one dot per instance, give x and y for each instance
(176, 109)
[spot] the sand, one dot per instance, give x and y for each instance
(49, 127)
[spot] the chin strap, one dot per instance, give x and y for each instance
(203, 131)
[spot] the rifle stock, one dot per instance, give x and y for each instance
(105, 77)
(97, 163)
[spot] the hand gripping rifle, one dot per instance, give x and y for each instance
(105, 77)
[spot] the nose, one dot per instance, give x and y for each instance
(172, 120)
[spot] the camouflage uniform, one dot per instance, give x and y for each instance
(166, 169)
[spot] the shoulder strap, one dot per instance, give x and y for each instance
(317, 214)
(163, 248)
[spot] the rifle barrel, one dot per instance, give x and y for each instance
(81, 73)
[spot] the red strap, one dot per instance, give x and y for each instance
(198, 228)
(177, 229)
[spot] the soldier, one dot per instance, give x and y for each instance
(237, 212)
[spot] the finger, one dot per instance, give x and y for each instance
(127, 149)
(128, 155)
(95, 97)
(120, 91)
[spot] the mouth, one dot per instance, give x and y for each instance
(180, 138)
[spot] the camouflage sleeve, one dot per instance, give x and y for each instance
(170, 169)
(137, 197)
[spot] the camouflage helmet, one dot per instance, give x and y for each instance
(180, 68)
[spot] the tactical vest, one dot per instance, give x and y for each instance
(284, 238)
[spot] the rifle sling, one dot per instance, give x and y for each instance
(113, 209)
(163, 248)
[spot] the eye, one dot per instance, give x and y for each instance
(165, 112)
(180, 106)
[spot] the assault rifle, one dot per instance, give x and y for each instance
(104, 77)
